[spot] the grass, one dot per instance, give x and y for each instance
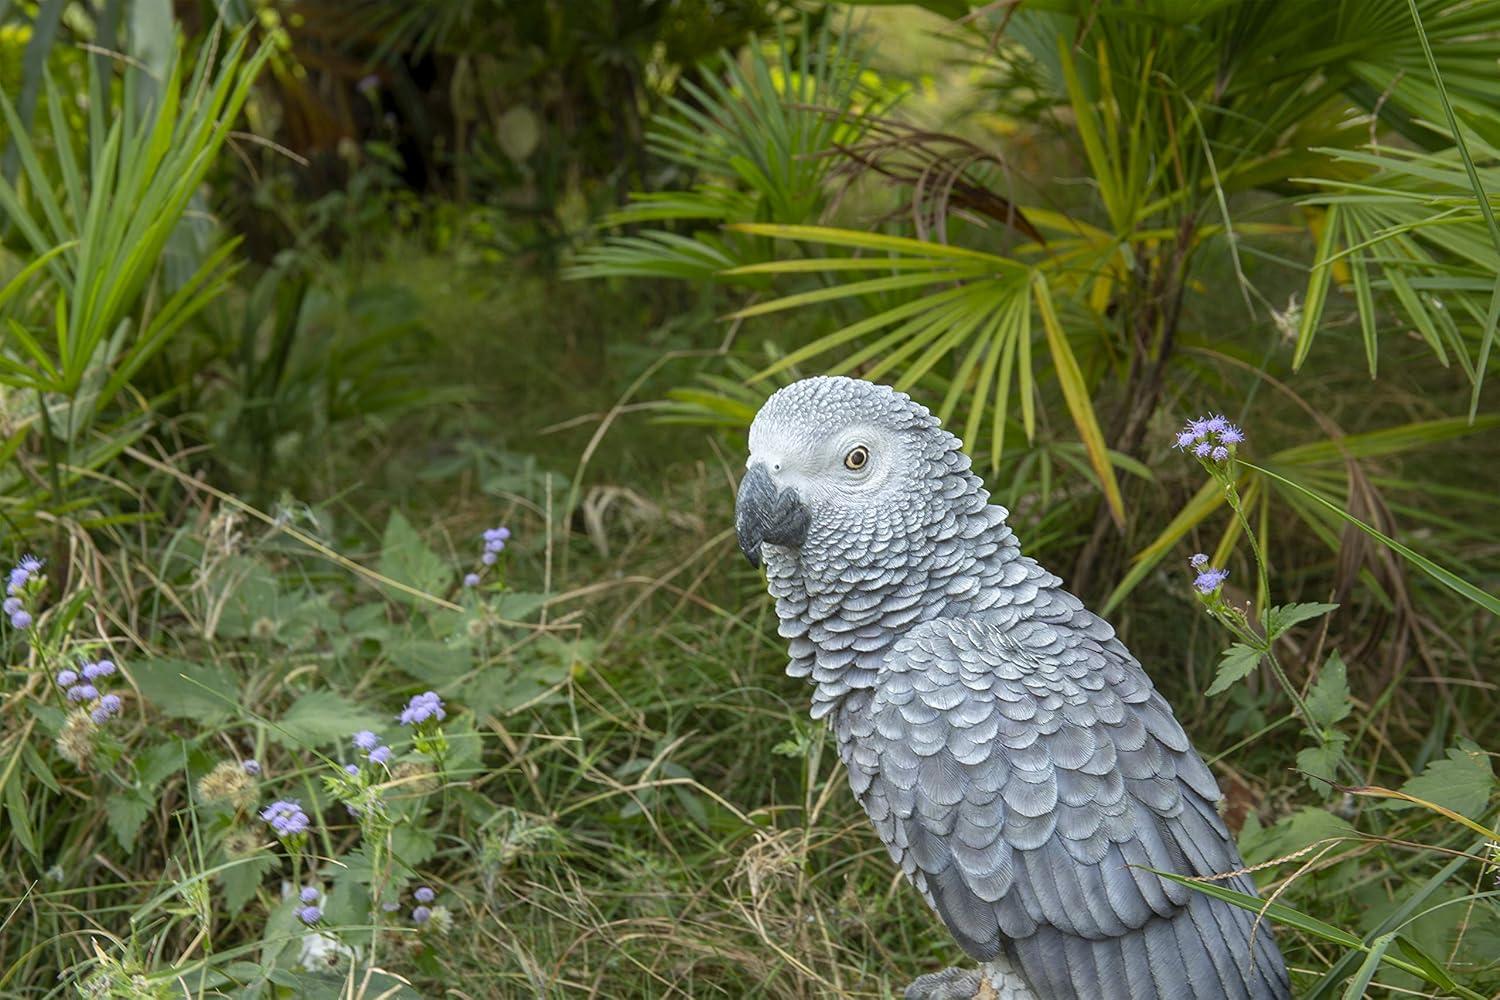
(650, 814)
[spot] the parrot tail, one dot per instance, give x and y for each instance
(1210, 950)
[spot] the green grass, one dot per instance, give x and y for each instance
(648, 812)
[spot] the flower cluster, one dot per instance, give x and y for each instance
(422, 707)
(424, 912)
(1211, 439)
(20, 588)
(494, 544)
(373, 748)
(80, 686)
(286, 817)
(1209, 578)
(310, 912)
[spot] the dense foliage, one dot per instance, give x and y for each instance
(373, 380)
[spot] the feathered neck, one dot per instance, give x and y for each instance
(841, 611)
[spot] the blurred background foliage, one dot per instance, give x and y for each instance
(365, 276)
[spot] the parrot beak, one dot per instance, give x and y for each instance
(762, 513)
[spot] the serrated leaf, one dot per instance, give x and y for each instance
(243, 877)
(1463, 781)
(1328, 701)
(430, 661)
(126, 813)
(205, 692)
(404, 557)
(1292, 833)
(1238, 663)
(1322, 762)
(155, 764)
(321, 717)
(1282, 618)
(412, 845)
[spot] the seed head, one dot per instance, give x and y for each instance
(228, 782)
(75, 742)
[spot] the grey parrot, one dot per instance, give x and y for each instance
(1013, 756)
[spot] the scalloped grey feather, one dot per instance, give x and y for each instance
(1012, 754)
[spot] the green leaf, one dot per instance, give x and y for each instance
(20, 817)
(1447, 578)
(1238, 663)
(1328, 701)
(241, 877)
(205, 692)
(321, 717)
(1463, 782)
(1281, 618)
(404, 557)
(126, 812)
(155, 764)
(1368, 967)
(1322, 762)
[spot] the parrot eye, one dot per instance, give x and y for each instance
(857, 458)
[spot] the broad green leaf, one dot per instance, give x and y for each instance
(1321, 763)
(404, 557)
(1238, 663)
(1284, 617)
(1328, 701)
(184, 690)
(322, 717)
(1462, 781)
(126, 812)
(241, 877)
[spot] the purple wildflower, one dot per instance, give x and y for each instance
(421, 915)
(1210, 580)
(309, 894)
(67, 678)
(12, 605)
(29, 563)
(380, 755)
(82, 692)
(489, 558)
(21, 619)
(93, 671)
(366, 740)
(1211, 438)
(286, 817)
(251, 766)
(1198, 561)
(471, 580)
(424, 894)
(422, 707)
(352, 770)
(309, 914)
(368, 84)
(390, 907)
(110, 705)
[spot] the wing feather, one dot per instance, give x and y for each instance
(1026, 779)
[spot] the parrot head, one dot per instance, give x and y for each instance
(846, 468)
